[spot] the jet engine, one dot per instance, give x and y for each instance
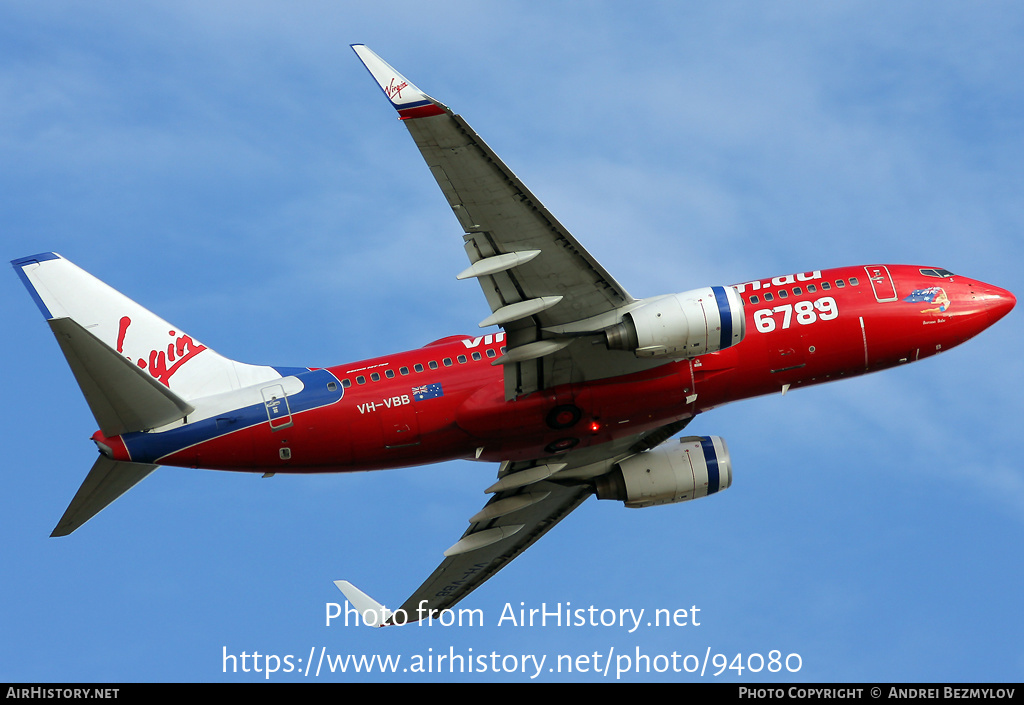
(696, 467)
(681, 325)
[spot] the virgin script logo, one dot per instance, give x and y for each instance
(179, 350)
(393, 91)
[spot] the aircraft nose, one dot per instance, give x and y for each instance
(997, 302)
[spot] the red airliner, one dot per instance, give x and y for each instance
(575, 393)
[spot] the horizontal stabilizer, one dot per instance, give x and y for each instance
(108, 480)
(122, 396)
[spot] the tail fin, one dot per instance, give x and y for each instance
(171, 357)
(136, 370)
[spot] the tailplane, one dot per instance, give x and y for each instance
(121, 395)
(108, 480)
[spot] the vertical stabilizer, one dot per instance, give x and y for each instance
(166, 353)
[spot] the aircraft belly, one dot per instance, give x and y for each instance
(554, 421)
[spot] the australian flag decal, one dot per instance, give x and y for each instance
(934, 295)
(918, 295)
(429, 391)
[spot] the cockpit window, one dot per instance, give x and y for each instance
(941, 273)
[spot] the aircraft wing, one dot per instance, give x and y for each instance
(528, 499)
(508, 524)
(489, 544)
(543, 287)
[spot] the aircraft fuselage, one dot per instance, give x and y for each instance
(447, 400)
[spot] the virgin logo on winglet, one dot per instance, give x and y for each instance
(179, 351)
(392, 91)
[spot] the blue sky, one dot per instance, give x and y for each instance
(232, 167)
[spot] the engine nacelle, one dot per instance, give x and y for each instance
(681, 325)
(696, 467)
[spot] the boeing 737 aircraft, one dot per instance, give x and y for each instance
(573, 386)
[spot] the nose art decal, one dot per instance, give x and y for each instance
(933, 295)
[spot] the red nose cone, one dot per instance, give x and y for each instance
(998, 303)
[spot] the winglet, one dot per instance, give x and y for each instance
(374, 613)
(407, 99)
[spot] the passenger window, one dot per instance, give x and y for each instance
(783, 293)
(754, 299)
(418, 367)
(360, 380)
(825, 286)
(375, 377)
(854, 281)
(840, 283)
(797, 291)
(332, 386)
(490, 352)
(811, 288)
(476, 356)
(403, 370)
(346, 383)
(432, 365)
(389, 373)
(447, 362)
(769, 297)
(462, 359)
